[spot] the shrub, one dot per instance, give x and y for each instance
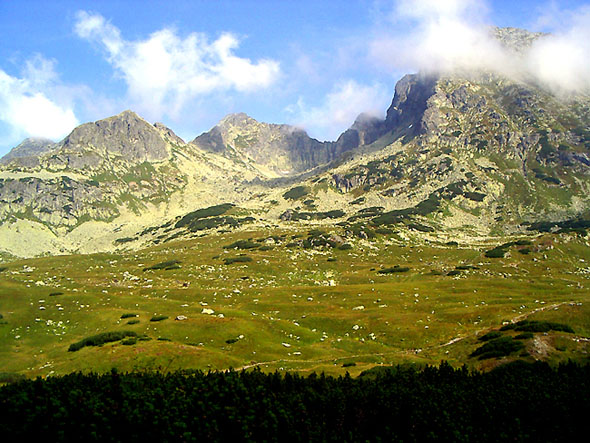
(537, 326)
(164, 339)
(419, 227)
(125, 240)
(3, 268)
(348, 364)
(166, 265)
(497, 252)
(133, 322)
(242, 244)
(490, 336)
(229, 341)
(240, 259)
(100, 339)
(129, 341)
(393, 270)
(384, 231)
(498, 347)
(211, 211)
(345, 246)
(296, 193)
(158, 317)
(53, 294)
(524, 336)
(129, 315)
(475, 196)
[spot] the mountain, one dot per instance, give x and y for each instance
(28, 151)
(280, 149)
(468, 154)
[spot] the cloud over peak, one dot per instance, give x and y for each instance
(454, 35)
(165, 71)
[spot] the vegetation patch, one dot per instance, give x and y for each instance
(243, 244)
(296, 193)
(566, 225)
(101, 339)
(125, 240)
(497, 252)
(158, 317)
(239, 259)
(212, 211)
(490, 336)
(165, 265)
(537, 326)
(393, 270)
(498, 347)
(296, 215)
(129, 315)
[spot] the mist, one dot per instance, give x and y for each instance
(456, 36)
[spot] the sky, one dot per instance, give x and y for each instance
(315, 64)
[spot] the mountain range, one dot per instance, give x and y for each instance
(458, 156)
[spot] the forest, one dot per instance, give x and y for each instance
(517, 401)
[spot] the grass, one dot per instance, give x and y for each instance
(307, 298)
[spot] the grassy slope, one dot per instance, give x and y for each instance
(284, 296)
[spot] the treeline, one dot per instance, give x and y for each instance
(519, 401)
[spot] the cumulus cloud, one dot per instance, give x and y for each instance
(28, 107)
(165, 71)
(340, 108)
(455, 35)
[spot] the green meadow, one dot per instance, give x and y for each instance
(279, 300)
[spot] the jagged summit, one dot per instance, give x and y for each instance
(125, 134)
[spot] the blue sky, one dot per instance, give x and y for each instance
(314, 64)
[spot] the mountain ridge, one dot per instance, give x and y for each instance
(464, 154)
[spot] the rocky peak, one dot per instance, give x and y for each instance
(125, 134)
(283, 149)
(518, 40)
(404, 116)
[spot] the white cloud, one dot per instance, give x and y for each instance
(165, 71)
(340, 108)
(562, 60)
(27, 106)
(453, 35)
